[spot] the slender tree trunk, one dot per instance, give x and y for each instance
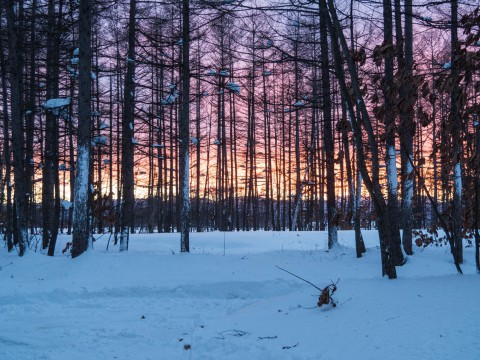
(456, 127)
(6, 149)
(328, 132)
(51, 141)
(185, 133)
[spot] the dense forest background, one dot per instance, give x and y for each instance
(238, 115)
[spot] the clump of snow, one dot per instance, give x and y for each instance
(234, 87)
(103, 126)
(211, 72)
(56, 103)
(224, 73)
(66, 204)
(447, 65)
(56, 106)
(99, 140)
(134, 141)
(169, 99)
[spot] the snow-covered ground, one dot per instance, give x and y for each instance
(227, 300)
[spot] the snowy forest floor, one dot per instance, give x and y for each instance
(154, 303)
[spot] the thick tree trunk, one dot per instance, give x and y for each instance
(327, 130)
(81, 226)
(406, 128)
(51, 141)
(127, 215)
(389, 98)
(16, 87)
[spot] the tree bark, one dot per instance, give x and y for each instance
(81, 226)
(185, 133)
(127, 214)
(16, 87)
(327, 130)
(455, 120)
(389, 101)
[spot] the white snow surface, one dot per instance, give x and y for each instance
(150, 302)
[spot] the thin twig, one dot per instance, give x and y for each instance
(298, 277)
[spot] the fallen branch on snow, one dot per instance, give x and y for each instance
(326, 293)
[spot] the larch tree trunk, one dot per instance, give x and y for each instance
(327, 130)
(51, 141)
(456, 127)
(15, 58)
(128, 119)
(391, 162)
(6, 149)
(184, 134)
(407, 93)
(81, 226)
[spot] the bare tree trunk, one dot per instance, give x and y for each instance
(16, 86)
(81, 226)
(328, 131)
(128, 213)
(51, 141)
(30, 116)
(184, 135)
(456, 126)
(389, 103)
(6, 149)
(407, 127)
